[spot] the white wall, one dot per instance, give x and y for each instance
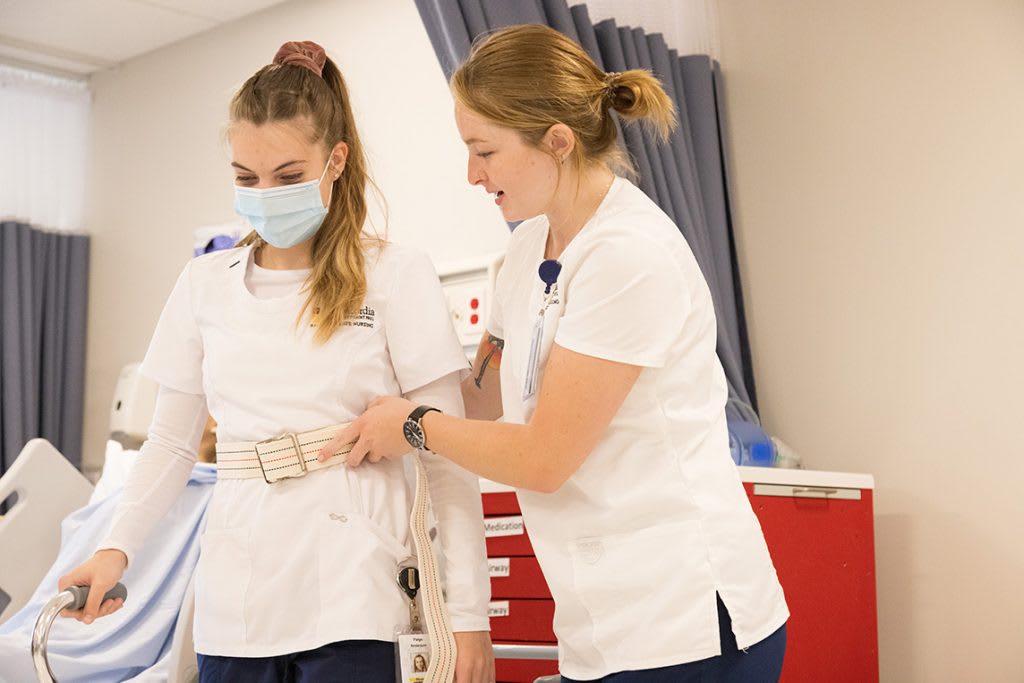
(878, 160)
(159, 167)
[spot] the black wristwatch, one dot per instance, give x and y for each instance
(413, 427)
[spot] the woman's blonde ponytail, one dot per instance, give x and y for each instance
(636, 95)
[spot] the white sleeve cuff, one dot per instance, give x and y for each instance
(113, 544)
(469, 622)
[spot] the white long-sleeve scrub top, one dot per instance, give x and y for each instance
(303, 562)
(637, 542)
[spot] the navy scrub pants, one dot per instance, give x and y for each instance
(760, 663)
(349, 661)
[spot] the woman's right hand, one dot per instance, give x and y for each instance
(101, 573)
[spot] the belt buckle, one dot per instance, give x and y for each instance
(298, 456)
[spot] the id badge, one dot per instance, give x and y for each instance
(536, 344)
(412, 645)
(412, 656)
(533, 360)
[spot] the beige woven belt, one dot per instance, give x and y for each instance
(289, 455)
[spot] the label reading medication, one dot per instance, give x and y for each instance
(503, 526)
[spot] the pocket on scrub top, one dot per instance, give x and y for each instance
(224, 572)
(646, 591)
(355, 547)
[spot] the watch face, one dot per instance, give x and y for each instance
(413, 434)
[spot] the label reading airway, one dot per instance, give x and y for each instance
(499, 566)
(497, 609)
(503, 526)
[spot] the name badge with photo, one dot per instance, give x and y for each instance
(413, 657)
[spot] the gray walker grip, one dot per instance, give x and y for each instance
(81, 594)
(73, 598)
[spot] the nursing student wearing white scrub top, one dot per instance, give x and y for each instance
(612, 395)
(294, 331)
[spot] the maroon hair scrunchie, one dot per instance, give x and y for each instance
(302, 53)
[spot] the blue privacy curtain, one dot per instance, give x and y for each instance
(43, 285)
(685, 177)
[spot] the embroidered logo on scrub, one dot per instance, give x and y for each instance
(590, 550)
(365, 318)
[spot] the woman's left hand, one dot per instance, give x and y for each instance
(377, 433)
(475, 660)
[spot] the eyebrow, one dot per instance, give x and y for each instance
(471, 141)
(285, 164)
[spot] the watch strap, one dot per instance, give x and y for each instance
(417, 414)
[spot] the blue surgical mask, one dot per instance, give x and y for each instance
(283, 216)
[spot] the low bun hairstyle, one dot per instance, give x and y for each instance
(636, 95)
(530, 77)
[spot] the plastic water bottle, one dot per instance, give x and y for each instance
(750, 445)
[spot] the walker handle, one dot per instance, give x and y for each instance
(81, 594)
(72, 598)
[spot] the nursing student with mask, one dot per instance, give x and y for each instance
(600, 357)
(294, 332)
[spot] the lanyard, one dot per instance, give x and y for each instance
(548, 271)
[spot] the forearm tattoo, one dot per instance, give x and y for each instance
(493, 356)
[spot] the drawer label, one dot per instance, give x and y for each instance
(503, 526)
(499, 566)
(497, 609)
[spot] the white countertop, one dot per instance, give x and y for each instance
(779, 475)
(762, 475)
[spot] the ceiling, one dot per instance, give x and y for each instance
(77, 37)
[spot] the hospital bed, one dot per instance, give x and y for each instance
(151, 639)
(50, 498)
(47, 488)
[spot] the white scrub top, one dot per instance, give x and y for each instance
(637, 542)
(303, 562)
